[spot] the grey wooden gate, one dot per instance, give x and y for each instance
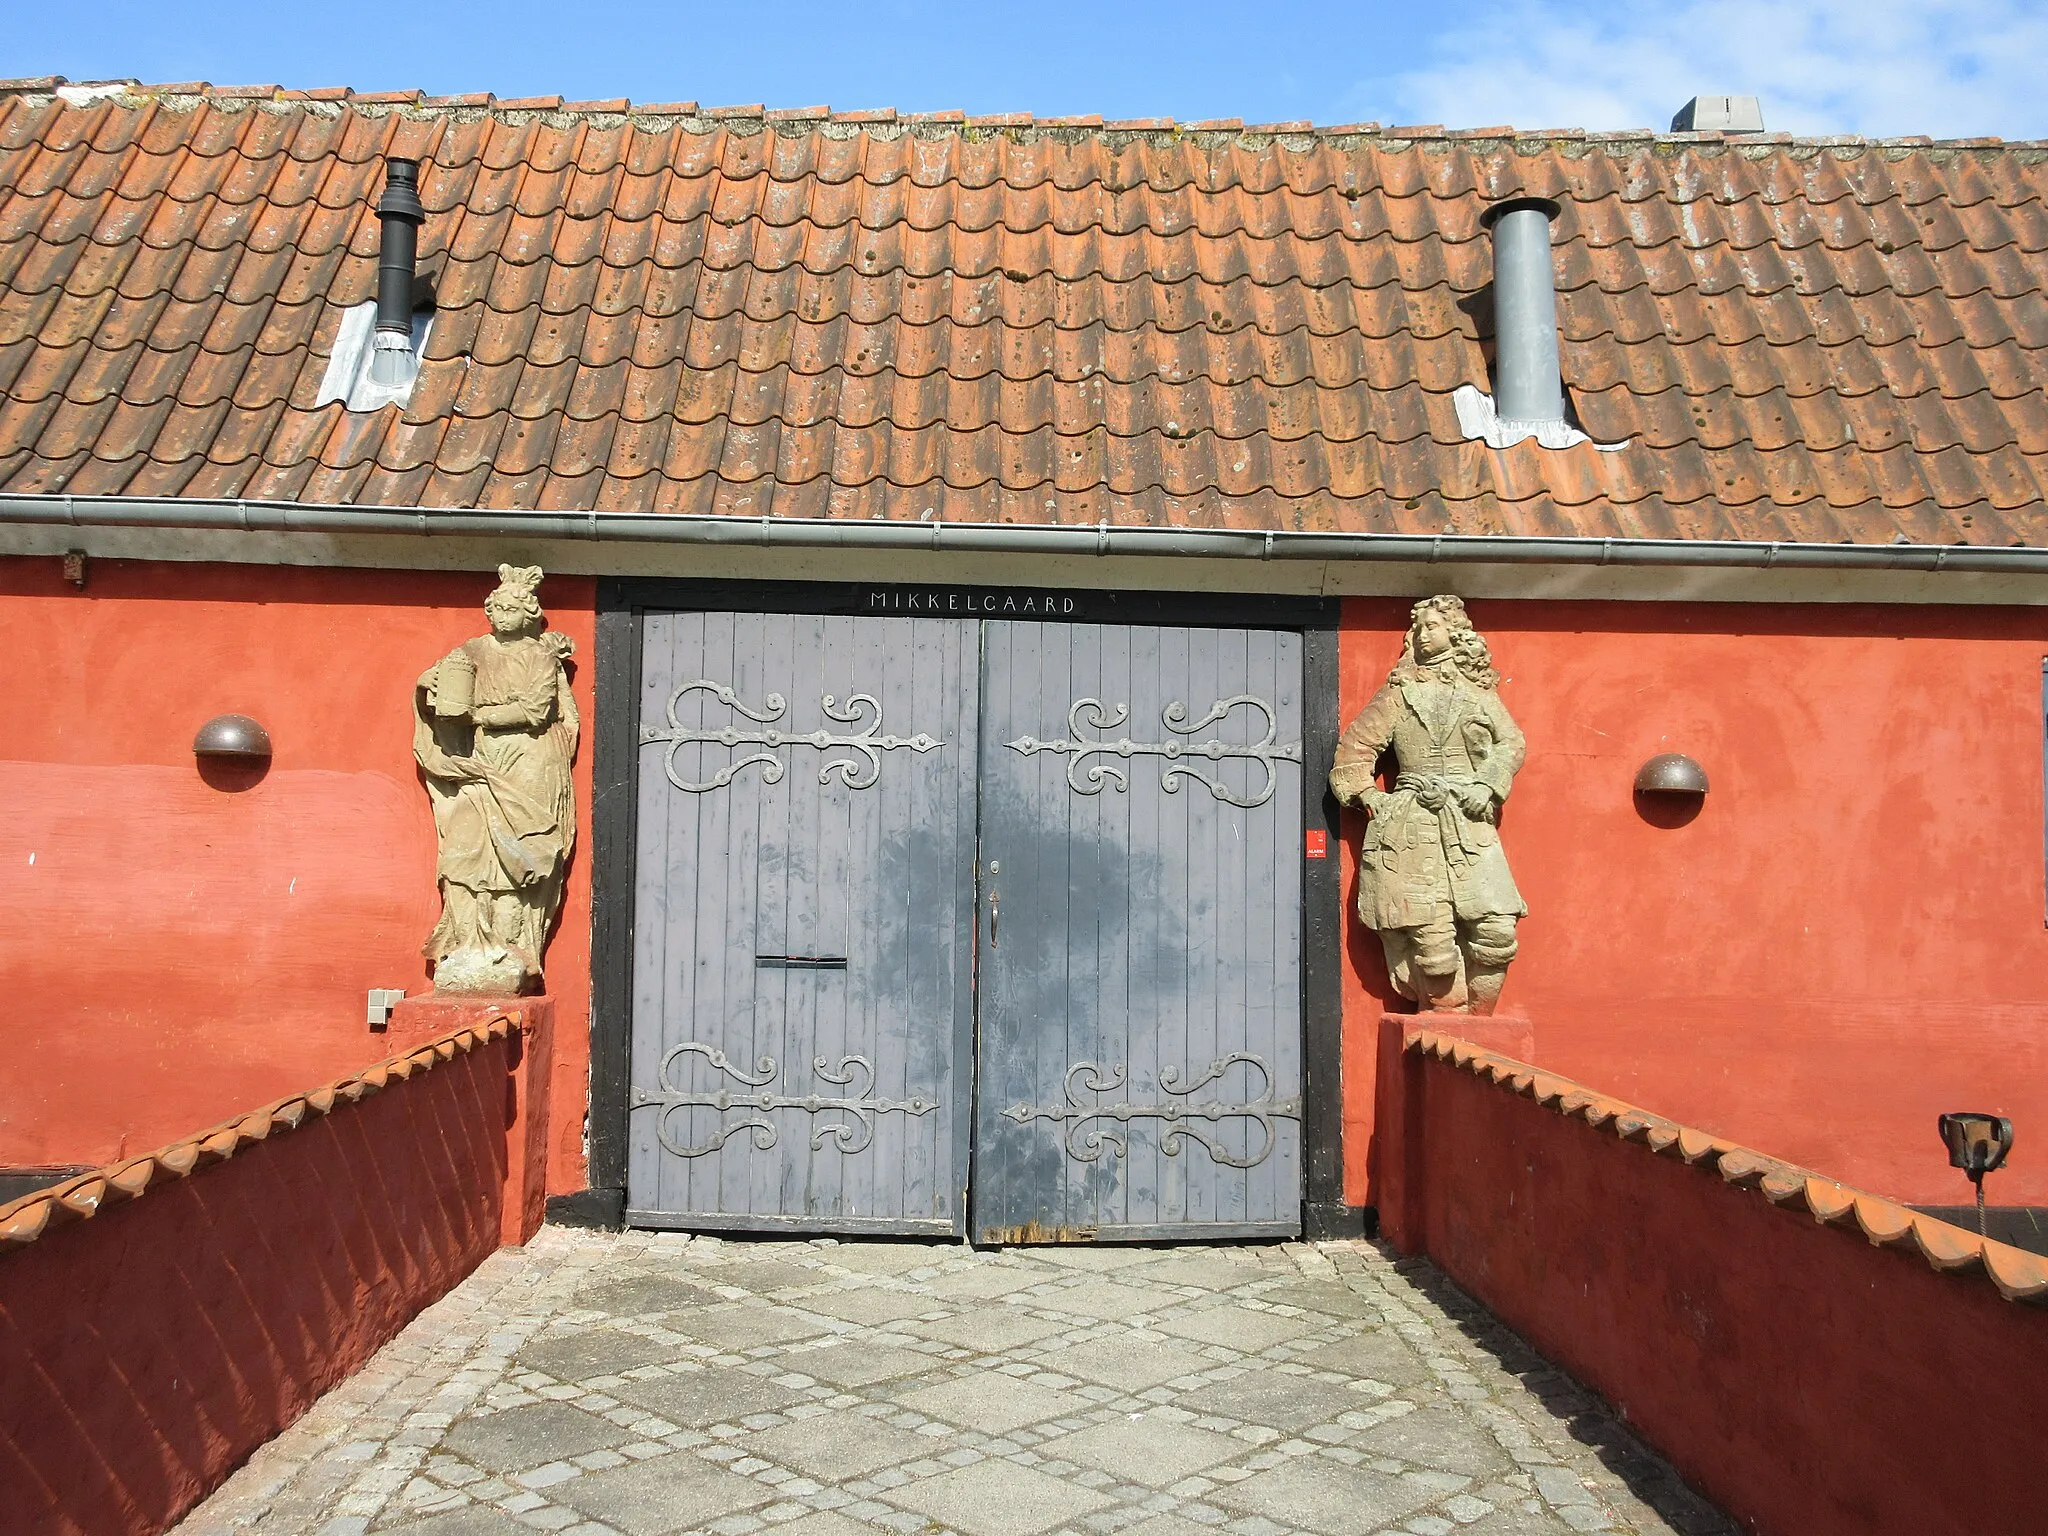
(802, 923)
(1139, 1053)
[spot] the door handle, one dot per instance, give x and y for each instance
(995, 917)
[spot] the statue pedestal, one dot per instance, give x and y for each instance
(1391, 1131)
(1510, 1034)
(417, 1020)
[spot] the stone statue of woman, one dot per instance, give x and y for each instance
(495, 732)
(1432, 879)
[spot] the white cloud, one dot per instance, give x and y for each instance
(1951, 68)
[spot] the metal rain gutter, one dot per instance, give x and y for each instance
(239, 516)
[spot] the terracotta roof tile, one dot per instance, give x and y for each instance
(673, 309)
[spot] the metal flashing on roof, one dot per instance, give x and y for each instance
(351, 370)
(1481, 422)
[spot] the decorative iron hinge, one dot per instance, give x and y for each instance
(1175, 718)
(853, 772)
(852, 1134)
(1087, 1145)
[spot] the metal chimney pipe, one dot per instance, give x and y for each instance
(400, 214)
(1529, 389)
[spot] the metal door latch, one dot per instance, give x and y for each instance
(995, 911)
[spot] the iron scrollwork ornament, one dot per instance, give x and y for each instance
(854, 772)
(1087, 1140)
(1087, 778)
(851, 1134)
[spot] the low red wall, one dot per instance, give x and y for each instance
(147, 1351)
(1846, 941)
(1808, 1382)
(180, 946)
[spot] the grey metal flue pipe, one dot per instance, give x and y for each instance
(1528, 387)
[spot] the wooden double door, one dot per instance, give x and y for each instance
(966, 925)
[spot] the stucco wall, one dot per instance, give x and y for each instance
(147, 1351)
(173, 950)
(1846, 941)
(1807, 1381)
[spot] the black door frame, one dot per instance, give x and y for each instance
(621, 604)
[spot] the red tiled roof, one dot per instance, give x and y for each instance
(2018, 1275)
(80, 1197)
(863, 315)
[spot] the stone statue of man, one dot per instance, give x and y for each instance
(1433, 881)
(495, 732)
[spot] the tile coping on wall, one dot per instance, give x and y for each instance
(2019, 1275)
(23, 1221)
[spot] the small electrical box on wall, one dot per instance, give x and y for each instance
(382, 1001)
(1316, 844)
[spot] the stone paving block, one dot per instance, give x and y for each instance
(987, 1330)
(837, 1447)
(1516, 1522)
(985, 1280)
(824, 1523)
(1154, 1451)
(714, 1395)
(1311, 1494)
(1380, 1355)
(641, 1295)
(762, 1276)
(1105, 1300)
(1283, 1402)
(746, 1325)
(532, 1436)
(597, 1352)
(1330, 1300)
(994, 1404)
(1442, 1438)
(1202, 1267)
(869, 1305)
(1237, 1328)
(1130, 1365)
(1079, 1257)
(1167, 1525)
(476, 1520)
(884, 1258)
(653, 1498)
(999, 1498)
(860, 1365)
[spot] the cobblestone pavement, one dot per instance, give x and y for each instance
(651, 1384)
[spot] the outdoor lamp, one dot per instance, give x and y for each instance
(235, 737)
(1977, 1144)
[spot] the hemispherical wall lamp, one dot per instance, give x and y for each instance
(232, 738)
(233, 752)
(1671, 773)
(1670, 789)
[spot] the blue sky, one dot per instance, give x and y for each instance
(1946, 67)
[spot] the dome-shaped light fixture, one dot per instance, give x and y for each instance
(1671, 773)
(232, 738)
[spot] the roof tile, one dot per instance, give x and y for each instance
(1055, 323)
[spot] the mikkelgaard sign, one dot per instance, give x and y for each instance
(974, 602)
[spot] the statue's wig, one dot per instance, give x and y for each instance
(1468, 646)
(517, 588)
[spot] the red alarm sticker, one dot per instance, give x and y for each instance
(1318, 843)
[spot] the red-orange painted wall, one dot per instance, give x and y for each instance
(1846, 941)
(174, 950)
(146, 1352)
(1807, 1382)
